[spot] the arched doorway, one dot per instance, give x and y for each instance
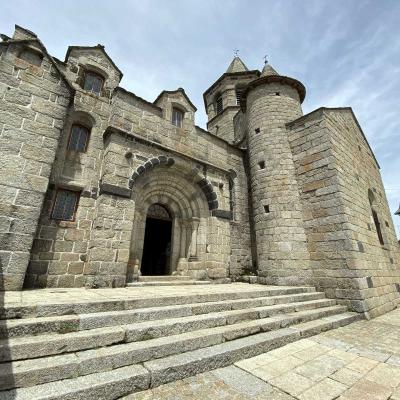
(156, 258)
(188, 209)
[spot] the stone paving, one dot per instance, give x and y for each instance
(358, 362)
(81, 295)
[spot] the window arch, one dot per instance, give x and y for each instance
(78, 138)
(80, 131)
(177, 117)
(219, 104)
(239, 90)
(93, 82)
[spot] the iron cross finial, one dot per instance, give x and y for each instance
(265, 59)
(236, 52)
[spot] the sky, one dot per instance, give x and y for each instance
(346, 53)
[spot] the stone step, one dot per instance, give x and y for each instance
(20, 348)
(18, 311)
(120, 381)
(180, 366)
(108, 385)
(168, 283)
(42, 370)
(159, 278)
(74, 323)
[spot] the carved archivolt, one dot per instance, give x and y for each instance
(204, 184)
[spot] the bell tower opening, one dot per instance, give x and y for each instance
(157, 241)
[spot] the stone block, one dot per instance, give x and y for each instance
(76, 268)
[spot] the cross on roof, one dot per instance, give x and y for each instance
(236, 52)
(265, 59)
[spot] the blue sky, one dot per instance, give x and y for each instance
(347, 53)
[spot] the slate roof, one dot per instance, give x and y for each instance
(268, 71)
(237, 65)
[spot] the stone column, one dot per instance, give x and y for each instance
(183, 252)
(193, 243)
(182, 267)
(139, 238)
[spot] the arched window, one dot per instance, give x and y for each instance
(219, 105)
(372, 201)
(177, 117)
(93, 82)
(79, 138)
(65, 205)
(239, 93)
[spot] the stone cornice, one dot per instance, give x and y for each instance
(273, 79)
(222, 113)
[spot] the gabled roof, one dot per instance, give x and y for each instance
(98, 47)
(237, 65)
(179, 90)
(37, 41)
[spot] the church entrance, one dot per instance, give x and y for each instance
(157, 242)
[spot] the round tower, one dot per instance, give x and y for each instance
(270, 102)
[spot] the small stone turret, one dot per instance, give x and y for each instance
(270, 102)
(222, 99)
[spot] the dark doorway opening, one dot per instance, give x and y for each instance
(157, 242)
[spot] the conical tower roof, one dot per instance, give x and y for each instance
(237, 65)
(268, 71)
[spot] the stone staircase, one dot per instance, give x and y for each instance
(166, 280)
(108, 348)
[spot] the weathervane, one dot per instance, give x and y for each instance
(265, 59)
(235, 52)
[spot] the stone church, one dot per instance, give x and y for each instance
(99, 187)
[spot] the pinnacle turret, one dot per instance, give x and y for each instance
(268, 70)
(237, 65)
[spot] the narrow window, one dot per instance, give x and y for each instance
(231, 197)
(219, 104)
(177, 117)
(238, 96)
(93, 83)
(378, 227)
(266, 209)
(78, 139)
(261, 164)
(372, 203)
(65, 205)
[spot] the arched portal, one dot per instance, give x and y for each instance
(170, 193)
(156, 259)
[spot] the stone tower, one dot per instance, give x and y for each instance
(270, 102)
(222, 99)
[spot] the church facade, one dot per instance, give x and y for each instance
(99, 186)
